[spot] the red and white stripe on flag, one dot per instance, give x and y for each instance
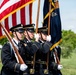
(24, 16)
(8, 7)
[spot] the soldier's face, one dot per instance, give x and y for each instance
(44, 36)
(25, 33)
(31, 34)
(19, 35)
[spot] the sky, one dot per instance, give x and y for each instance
(67, 13)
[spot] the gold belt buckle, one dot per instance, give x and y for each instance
(32, 71)
(46, 71)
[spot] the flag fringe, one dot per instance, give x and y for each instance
(49, 11)
(51, 48)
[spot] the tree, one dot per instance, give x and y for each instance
(68, 43)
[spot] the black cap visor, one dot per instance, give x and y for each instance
(30, 30)
(19, 30)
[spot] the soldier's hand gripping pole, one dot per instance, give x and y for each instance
(10, 40)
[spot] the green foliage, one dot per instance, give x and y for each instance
(3, 41)
(68, 43)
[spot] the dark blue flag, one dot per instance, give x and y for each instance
(45, 11)
(55, 26)
(55, 22)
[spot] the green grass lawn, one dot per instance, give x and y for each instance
(69, 65)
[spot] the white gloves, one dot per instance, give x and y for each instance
(60, 67)
(37, 36)
(23, 67)
(48, 38)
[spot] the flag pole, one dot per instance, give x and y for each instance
(15, 49)
(37, 20)
(49, 19)
(55, 52)
(47, 63)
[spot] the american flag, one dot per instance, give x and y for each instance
(23, 15)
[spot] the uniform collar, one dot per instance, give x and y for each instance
(16, 41)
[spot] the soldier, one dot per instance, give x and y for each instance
(33, 44)
(42, 63)
(51, 67)
(9, 58)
